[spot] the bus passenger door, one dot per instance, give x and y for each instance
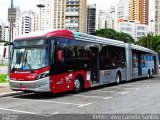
(139, 65)
(155, 65)
(94, 65)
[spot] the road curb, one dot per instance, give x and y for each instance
(10, 94)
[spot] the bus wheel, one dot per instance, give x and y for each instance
(149, 74)
(118, 79)
(77, 85)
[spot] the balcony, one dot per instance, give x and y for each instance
(72, 14)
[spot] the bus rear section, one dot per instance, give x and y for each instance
(144, 62)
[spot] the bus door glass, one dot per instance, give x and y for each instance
(94, 64)
(139, 64)
(155, 64)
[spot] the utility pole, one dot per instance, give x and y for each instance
(40, 6)
(152, 33)
(10, 36)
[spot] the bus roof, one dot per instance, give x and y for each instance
(83, 37)
(72, 35)
(47, 33)
(96, 39)
(143, 49)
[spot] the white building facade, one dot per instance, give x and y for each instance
(52, 14)
(5, 33)
(63, 14)
(102, 19)
(135, 30)
(157, 17)
(76, 15)
(110, 18)
(26, 23)
(123, 9)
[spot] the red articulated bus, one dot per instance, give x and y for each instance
(63, 60)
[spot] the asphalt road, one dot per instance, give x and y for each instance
(135, 97)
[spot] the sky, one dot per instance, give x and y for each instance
(31, 4)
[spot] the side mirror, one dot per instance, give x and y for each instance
(4, 52)
(59, 55)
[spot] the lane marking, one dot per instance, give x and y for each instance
(85, 105)
(105, 91)
(124, 93)
(100, 97)
(138, 89)
(107, 98)
(55, 113)
(9, 93)
(112, 91)
(51, 114)
(112, 87)
(19, 111)
(148, 86)
(56, 102)
(128, 85)
(47, 101)
(133, 88)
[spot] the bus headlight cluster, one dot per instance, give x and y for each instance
(42, 75)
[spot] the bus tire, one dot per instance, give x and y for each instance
(149, 74)
(77, 85)
(118, 78)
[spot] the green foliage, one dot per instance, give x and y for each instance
(3, 78)
(142, 41)
(2, 41)
(150, 41)
(1, 64)
(112, 34)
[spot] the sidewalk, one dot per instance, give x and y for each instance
(4, 87)
(6, 91)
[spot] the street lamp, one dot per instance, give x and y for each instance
(152, 33)
(11, 22)
(10, 36)
(40, 6)
(152, 26)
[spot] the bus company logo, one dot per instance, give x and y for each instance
(60, 82)
(30, 77)
(69, 78)
(105, 73)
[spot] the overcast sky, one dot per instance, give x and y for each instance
(31, 4)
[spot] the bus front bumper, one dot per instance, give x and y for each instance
(41, 85)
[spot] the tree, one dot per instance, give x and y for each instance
(142, 41)
(107, 33)
(112, 34)
(125, 37)
(150, 41)
(2, 41)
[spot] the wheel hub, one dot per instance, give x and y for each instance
(77, 84)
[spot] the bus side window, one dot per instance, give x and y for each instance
(53, 51)
(61, 46)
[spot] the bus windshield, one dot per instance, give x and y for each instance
(29, 58)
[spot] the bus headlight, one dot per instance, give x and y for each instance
(42, 75)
